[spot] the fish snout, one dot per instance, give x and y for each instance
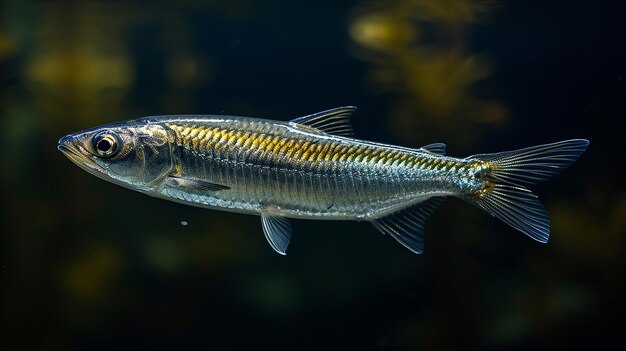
(66, 142)
(72, 147)
(75, 143)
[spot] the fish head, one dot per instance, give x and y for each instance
(134, 154)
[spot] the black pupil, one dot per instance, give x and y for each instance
(104, 145)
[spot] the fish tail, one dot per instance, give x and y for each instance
(506, 175)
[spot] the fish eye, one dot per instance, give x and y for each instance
(105, 144)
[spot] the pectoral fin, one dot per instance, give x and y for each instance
(195, 184)
(407, 225)
(277, 231)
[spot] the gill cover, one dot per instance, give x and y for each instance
(144, 156)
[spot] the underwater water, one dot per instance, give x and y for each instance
(87, 264)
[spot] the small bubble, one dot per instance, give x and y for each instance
(183, 223)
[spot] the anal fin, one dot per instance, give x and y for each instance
(277, 231)
(407, 225)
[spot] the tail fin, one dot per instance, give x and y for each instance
(508, 172)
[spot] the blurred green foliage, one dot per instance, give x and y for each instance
(87, 264)
(420, 49)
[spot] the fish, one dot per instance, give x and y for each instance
(313, 167)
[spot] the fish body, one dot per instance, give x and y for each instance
(297, 172)
(313, 168)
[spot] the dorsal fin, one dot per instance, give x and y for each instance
(435, 148)
(407, 225)
(335, 121)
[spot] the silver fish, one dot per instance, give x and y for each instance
(312, 168)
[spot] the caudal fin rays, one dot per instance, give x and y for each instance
(506, 197)
(517, 207)
(533, 164)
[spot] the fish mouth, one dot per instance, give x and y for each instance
(77, 155)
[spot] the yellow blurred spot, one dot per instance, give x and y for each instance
(83, 72)
(89, 276)
(418, 49)
(80, 60)
(379, 32)
(7, 45)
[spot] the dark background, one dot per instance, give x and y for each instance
(86, 264)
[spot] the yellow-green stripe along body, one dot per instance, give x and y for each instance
(313, 168)
(293, 171)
